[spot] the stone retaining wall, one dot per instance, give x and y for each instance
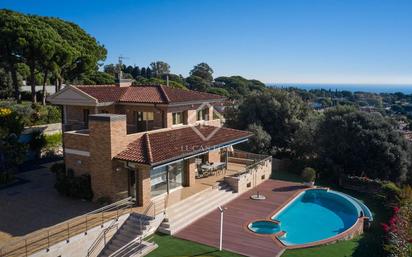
(255, 174)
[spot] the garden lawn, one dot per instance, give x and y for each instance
(171, 246)
(340, 249)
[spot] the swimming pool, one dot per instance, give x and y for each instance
(315, 215)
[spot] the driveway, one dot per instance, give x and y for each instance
(35, 204)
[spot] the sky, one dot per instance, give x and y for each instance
(285, 41)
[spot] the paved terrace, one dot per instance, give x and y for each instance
(240, 212)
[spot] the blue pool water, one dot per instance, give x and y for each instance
(314, 215)
(264, 227)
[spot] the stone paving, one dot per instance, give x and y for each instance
(36, 204)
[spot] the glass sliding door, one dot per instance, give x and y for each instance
(166, 178)
(175, 175)
(158, 179)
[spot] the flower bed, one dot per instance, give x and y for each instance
(397, 232)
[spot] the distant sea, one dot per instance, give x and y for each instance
(406, 89)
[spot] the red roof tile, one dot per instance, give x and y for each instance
(158, 147)
(104, 93)
(146, 94)
(143, 94)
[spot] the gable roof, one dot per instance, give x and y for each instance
(155, 148)
(146, 94)
(104, 93)
(73, 96)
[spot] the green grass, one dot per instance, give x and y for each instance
(170, 246)
(366, 245)
(53, 140)
(340, 249)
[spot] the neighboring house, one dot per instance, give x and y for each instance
(142, 141)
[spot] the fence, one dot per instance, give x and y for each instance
(43, 239)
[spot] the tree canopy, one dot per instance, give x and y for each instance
(49, 46)
(203, 71)
(362, 144)
(279, 113)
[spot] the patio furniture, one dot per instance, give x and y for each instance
(213, 167)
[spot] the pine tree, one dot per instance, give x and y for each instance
(143, 72)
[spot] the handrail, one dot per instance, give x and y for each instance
(102, 235)
(44, 238)
(258, 159)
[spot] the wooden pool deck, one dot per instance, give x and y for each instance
(239, 213)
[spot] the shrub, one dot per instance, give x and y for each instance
(58, 167)
(397, 236)
(38, 141)
(53, 140)
(390, 193)
(34, 114)
(308, 174)
(72, 186)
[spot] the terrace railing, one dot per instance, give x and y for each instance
(43, 239)
(101, 241)
(251, 160)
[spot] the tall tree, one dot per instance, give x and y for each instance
(12, 43)
(149, 73)
(143, 72)
(204, 71)
(279, 113)
(362, 144)
(110, 69)
(83, 53)
(159, 68)
(136, 72)
(41, 44)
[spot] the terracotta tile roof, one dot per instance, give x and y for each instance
(159, 147)
(146, 94)
(143, 94)
(104, 93)
(179, 95)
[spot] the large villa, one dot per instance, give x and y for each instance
(165, 161)
(144, 142)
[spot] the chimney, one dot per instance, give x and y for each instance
(108, 137)
(124, 82)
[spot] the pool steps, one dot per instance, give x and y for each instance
(187, 211)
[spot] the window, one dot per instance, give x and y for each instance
(86, 113)
(216, 115)
(203, 114)
(177, 118)
(144, 116)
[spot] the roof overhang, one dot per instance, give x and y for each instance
(71, 95)
(172, 104)
(187, 155)
(198, 152)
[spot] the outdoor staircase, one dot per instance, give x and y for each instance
(128, 240)
(191, 209)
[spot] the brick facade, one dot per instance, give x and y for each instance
(108, 137)
(214, 156)
(190, 172)
(162, 115)
(79, 164)
(143, 186)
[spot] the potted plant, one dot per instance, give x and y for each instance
(308, 176)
